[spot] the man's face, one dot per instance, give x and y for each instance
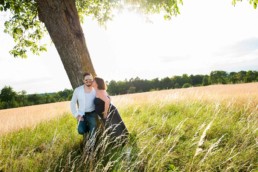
(88, 80)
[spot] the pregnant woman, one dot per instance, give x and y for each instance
(109, 114)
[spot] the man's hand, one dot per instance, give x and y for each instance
(80, 118)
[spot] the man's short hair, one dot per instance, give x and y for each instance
(86, 74)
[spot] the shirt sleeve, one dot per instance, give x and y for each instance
(73, 104)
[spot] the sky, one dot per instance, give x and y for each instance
(208, 35)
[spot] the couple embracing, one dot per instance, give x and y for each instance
(94, 103)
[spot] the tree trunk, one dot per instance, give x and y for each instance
(62, 22)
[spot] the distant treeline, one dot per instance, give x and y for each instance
(10, 99)
(136, 85)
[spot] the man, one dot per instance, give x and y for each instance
(84, 95)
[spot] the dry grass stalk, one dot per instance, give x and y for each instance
(201, 141)
(211, 148)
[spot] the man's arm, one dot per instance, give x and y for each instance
(73, 104)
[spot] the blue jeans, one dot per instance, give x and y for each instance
(91, 121)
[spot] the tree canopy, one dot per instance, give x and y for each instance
(27, 30)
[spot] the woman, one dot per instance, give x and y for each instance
(110, 116)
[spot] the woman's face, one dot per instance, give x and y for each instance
(94, 84)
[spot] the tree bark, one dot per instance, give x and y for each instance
(62, 22)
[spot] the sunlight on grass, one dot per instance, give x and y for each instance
(173, 130)
(18, 118)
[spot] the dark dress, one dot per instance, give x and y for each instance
(114, 124)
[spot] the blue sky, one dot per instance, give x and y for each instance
(208, 35)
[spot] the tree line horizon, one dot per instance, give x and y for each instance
(11, 99)
(136, 85)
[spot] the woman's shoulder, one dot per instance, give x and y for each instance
(102, 96)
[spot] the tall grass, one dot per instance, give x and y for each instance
(169, 131)
(35, 149)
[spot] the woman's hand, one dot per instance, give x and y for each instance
(105, 115)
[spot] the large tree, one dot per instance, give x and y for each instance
(61, 18)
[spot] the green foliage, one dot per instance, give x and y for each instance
(218, 77)
(205, 80)
(27, 30)
(186, 85)
(101, 10)
(24, 26)
(166, 83)
(131, 89)
(252, 2)
(12, 99)
(8, 97)
(170, 7)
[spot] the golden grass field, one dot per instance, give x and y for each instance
(17, 118)
(233, 93)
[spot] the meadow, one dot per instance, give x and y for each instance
(213, 128)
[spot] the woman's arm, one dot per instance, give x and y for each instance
(107, 103)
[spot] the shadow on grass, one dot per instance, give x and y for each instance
(52, 146)
(101, 153)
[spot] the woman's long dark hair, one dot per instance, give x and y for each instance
(101, 83)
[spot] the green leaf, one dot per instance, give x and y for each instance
(17, 9)
(167, 17)
(2, 2)
(18, 31)
(234, 2)
(28, 43)
(43, 48)
(7, 6)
